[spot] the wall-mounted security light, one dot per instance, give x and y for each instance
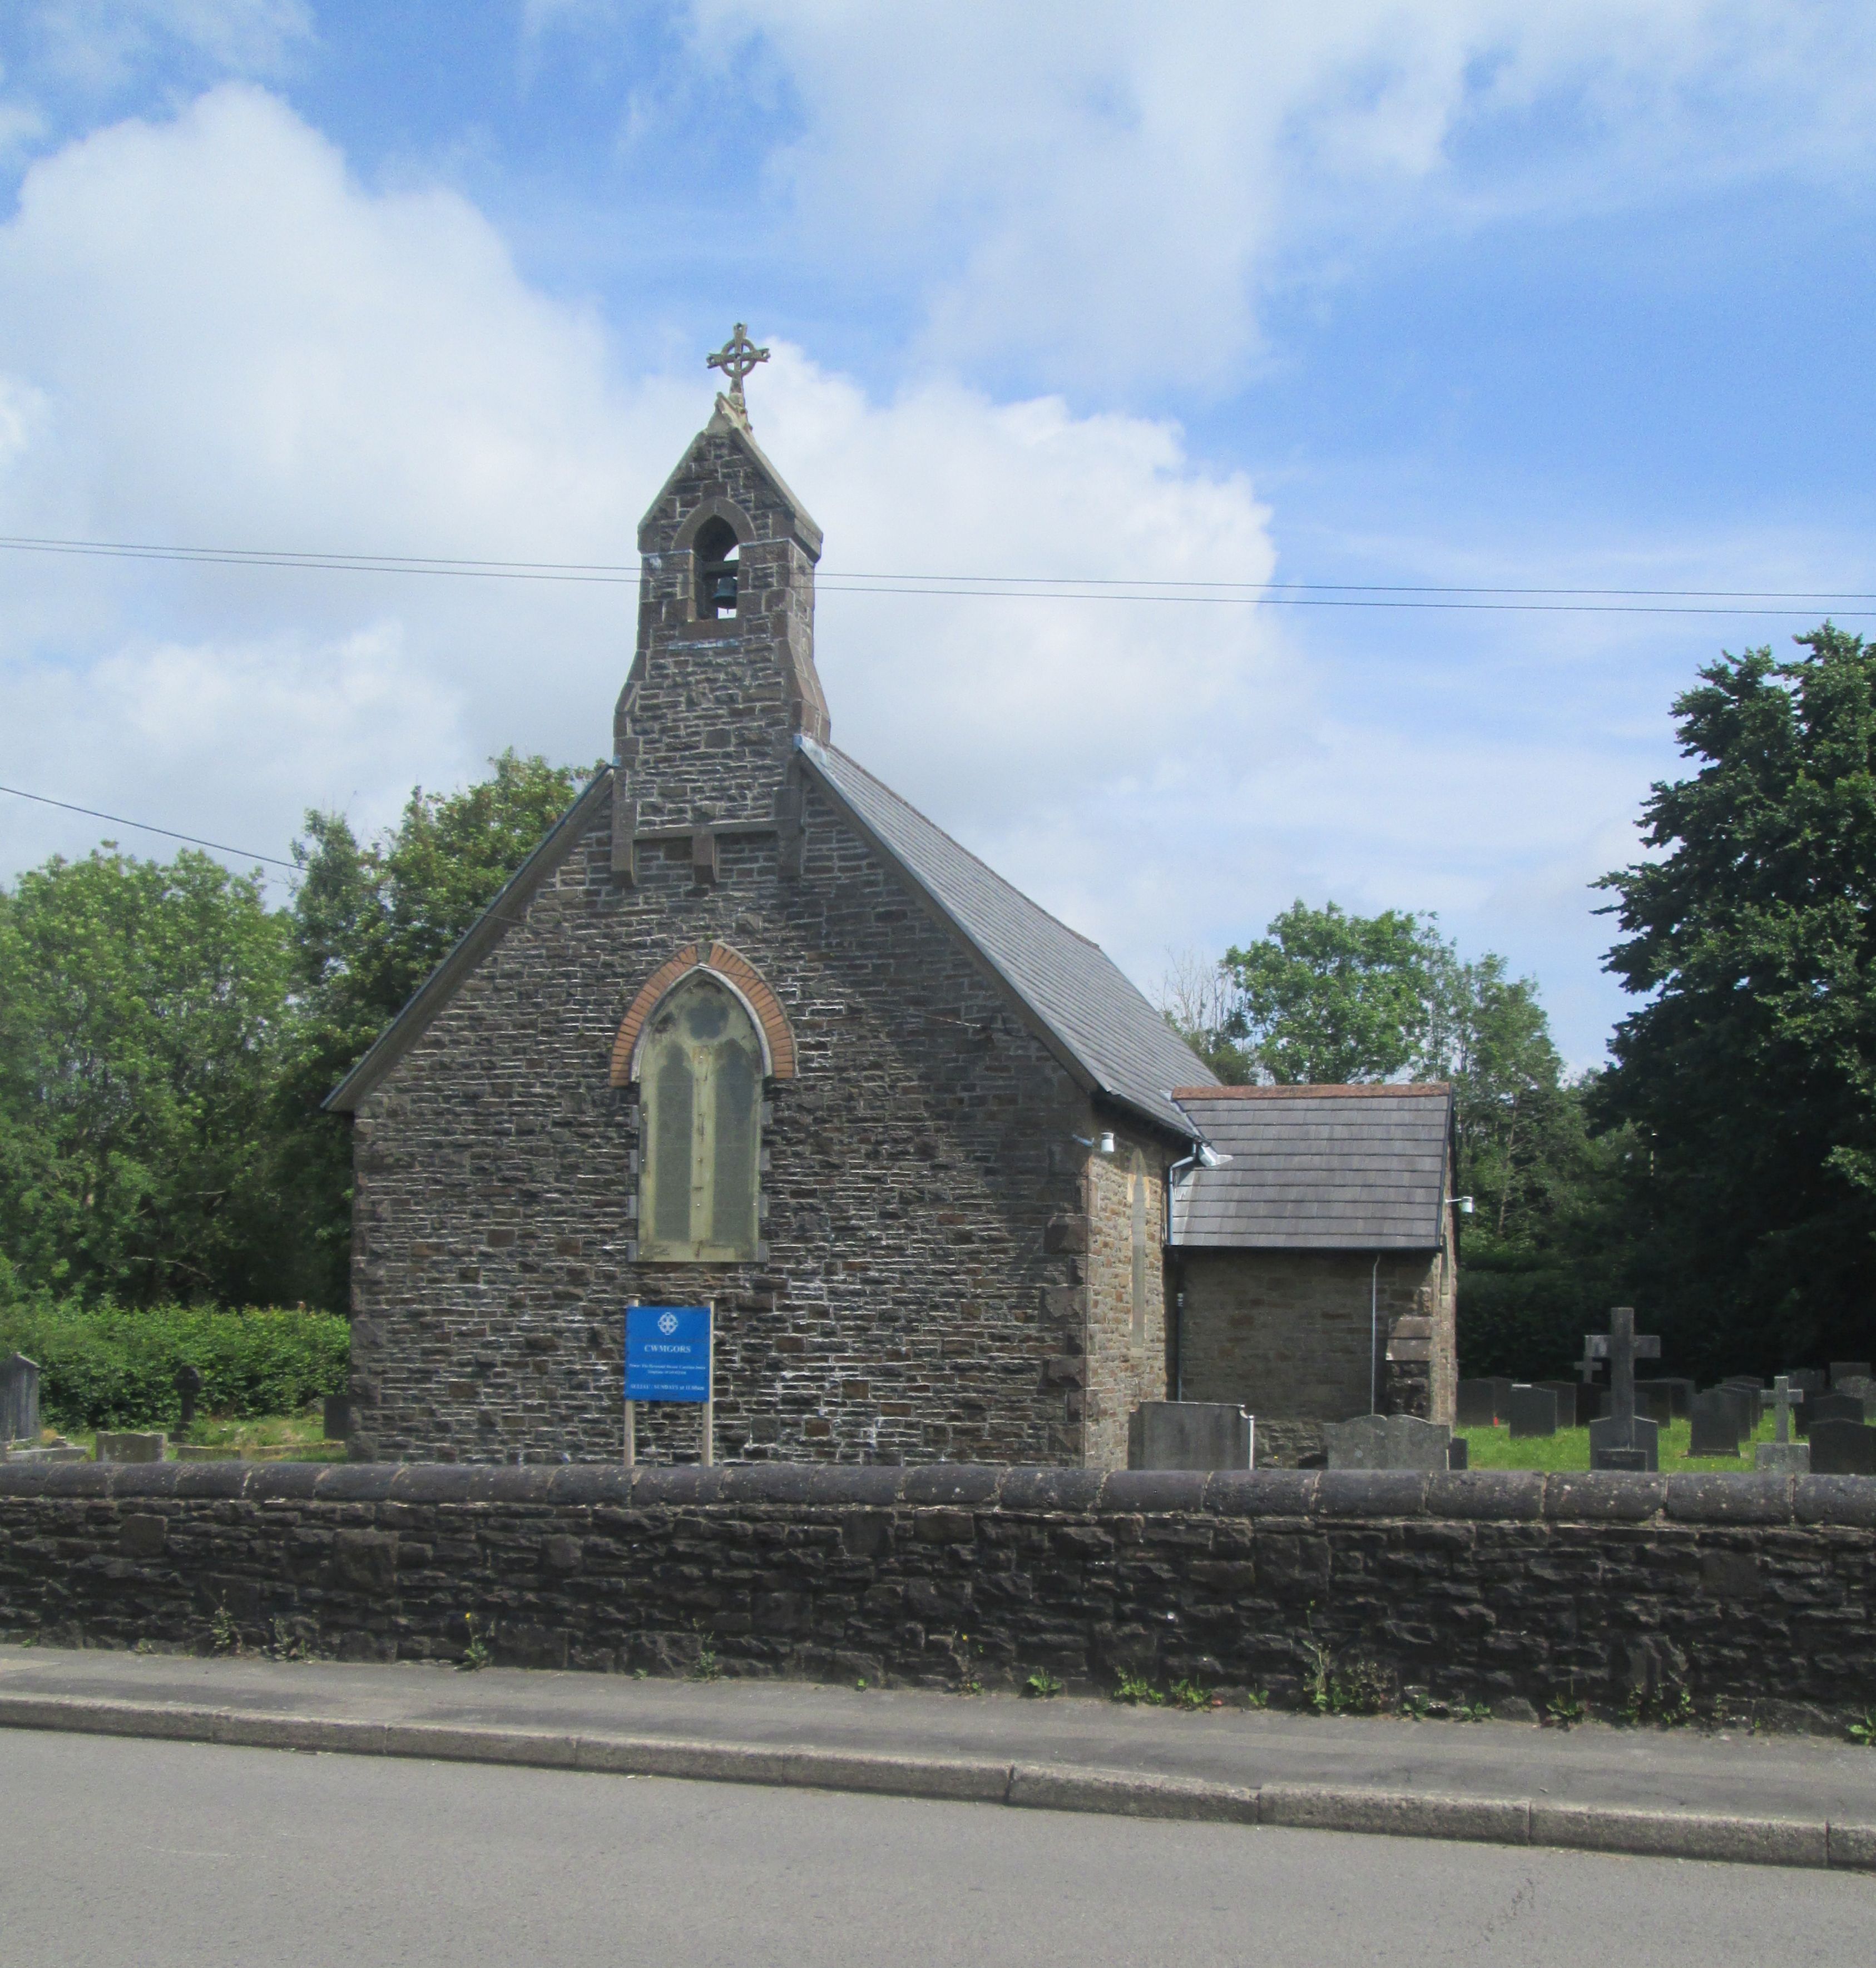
(1107, 1144)
(1465, 1205)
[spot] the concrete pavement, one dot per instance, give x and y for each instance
(178, 1855)
(1782, 1800)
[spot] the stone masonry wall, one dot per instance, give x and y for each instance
(1126, 1356)
(920, 1297)
(1752, 1595)
(1287, 1333)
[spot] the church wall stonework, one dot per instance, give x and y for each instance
(1125, 1366)
(1288, 1334)
(919, 1297)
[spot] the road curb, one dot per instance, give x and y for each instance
(1608, 1828)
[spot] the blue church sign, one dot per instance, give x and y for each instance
(667, 1353)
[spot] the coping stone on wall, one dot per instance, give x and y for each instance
(226, 1480)
(1071, 1492)
(1742, 1499)
(952, 1482)
(1261, 1493)
(1510, 1496)
(1372, 1493)
(1514, 1496)
(1127, 1491)
(1603, 1496)
(1849, 1501)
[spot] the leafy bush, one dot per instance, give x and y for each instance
(105, 1368)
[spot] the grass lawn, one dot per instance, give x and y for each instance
(1569, 1448)
(294, 1438)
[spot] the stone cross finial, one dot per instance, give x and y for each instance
(1621, 1346)
(736, 358)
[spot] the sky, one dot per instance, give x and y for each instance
(1409, 293)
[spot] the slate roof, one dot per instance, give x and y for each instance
(1105, 1031)
(1316, 1168)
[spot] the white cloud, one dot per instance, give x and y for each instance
(99, 43)
(210, 333)
(1100, 188)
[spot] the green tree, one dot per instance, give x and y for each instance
(1748, 1073)
(1328, 998)
(370, 921)
(142, 1007)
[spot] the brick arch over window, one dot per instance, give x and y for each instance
(736, 970)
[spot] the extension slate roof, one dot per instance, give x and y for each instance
(1316, 1168)
(1111, 1037)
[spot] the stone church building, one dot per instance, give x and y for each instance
(747, 1029)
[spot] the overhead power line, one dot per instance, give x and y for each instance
(1041, 588)
(144, 827)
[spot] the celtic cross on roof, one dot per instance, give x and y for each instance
(736, 358)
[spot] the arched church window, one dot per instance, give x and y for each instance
(700, 1074)
(714, 552)
(1138, 1184)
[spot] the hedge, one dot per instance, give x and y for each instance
(105, 1368)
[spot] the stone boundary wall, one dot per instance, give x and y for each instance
(1711, 1597)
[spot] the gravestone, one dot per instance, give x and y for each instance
(1191, 1435)
(1656, 1401)
(1570, 1411)
(1848, 1369)
(1842, 1449)
(1783, 1457)
(130, 1445)
(338, 1417)
(1713, 1423)
(1806, 1380)
(1616, 1440)
(1533, 1411)
(1753, 1393)
(1864, 1390)
(1478, 1404)
(188, 1385)
(1816, 1408)
(1745, 1403)
(1501, 1395)
(1387, 1441)
(1679, 1389)
(1458, 1453)
(19, 1399)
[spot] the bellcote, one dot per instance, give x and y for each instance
(723, 680)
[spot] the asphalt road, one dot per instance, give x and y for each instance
(115, 1851)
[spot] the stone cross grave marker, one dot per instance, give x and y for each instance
(1533, 1410)
(1783, 1457)
(1620, 1436)
(188, 1384)
(1713, 1423)
(1387, 1441)
(19, 1399)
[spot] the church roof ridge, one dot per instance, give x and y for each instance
(1093, 1017)
(1366, 1089)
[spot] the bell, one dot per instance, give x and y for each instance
(723, 592)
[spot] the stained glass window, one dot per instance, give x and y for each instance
(701, 1074)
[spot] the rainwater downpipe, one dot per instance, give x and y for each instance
(1374, 1337)
(1179, 1273)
